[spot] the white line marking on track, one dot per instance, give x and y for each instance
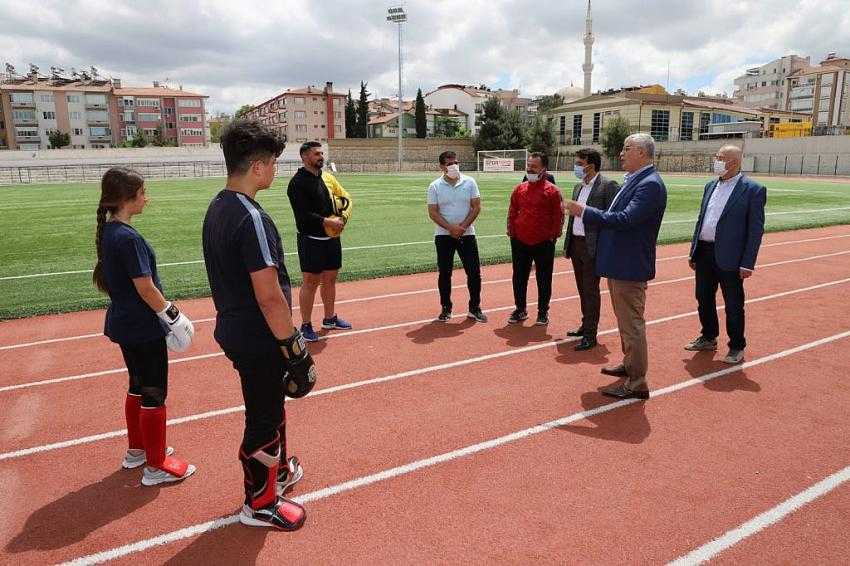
(51, 381)
(711, 549)
(422, 242)
(393, 377)
(407, 293)
(411, 467)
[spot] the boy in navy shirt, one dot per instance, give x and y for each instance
(252, 295)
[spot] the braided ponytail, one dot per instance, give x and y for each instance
(118, 185)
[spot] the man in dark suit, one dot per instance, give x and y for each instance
(625, 254)
(580, 241)
(724, 248)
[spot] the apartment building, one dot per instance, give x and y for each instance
(96, 113)
(303, 114)
(822, 92)
(764, 86)
(383, 119)
(470, 101)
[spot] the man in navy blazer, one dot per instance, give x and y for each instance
(625, 254)
(724, 249)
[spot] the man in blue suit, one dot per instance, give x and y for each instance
(625, 254)
(724, 248)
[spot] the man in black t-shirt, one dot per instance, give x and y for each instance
(251, 291)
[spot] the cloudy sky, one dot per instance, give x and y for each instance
(245, 51)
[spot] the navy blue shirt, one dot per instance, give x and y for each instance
(240, 238)
(127, 256)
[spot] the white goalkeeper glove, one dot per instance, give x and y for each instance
(180, 328)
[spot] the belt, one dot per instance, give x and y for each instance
(578, 237)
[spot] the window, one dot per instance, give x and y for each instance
(98, 117)
(299, 100)
(190, 117)
(717, 118)
(576, 129)
(128, 102)
(704, 121)
(338, 129)
(315, 112)
(562, 128)
(96, 99)
(2, 125)
(189, 103)
(129, 117)
(148, 102)
(45, 98)
(170, 125)
(150, 132)
(98, 132)
(23, 116)
(301, 127)
(597, 126)
(686, 128)
(26, 132)
(49, 115)
(78, 131)
(130, 131)
(660, 125)
(300, 115)
(168, 111)
(148, 117)
(76, 115)
(337, 115)
(73, 98)
(191, 132)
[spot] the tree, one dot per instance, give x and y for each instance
(550, 102)
(362, 125)
(350, 117)
(492, 116)
(421, 118)
(513, 130)
(59, 139)
(244, 109)
(541, 135)
(614, 136)
(139, 140)
(217, 125)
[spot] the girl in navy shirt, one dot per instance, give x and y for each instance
(141, 322)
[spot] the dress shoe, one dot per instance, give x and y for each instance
(621, 392)
(616, 371)
(586, 344)
(577, 332)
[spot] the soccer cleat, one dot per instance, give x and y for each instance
(445, 315)
(308, 333)
(517, 316)
(335, 323)
(701, 343)
(135, 457)
(477, 315)
(288, 476)
(284, 514)
(542, 319)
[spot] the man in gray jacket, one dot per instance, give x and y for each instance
(580, 241)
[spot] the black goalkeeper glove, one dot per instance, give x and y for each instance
(300, 368)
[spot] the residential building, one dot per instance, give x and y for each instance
(764, 86)
(470, 101)
(95, 112)
(383, 119)
(823, 93)
(303, 114)
(667, 117)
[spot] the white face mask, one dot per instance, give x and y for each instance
(453, 171)
(719, 168)
(532, 177)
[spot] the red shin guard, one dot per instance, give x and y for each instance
(132, 407)
(260, 469)
(152, 421)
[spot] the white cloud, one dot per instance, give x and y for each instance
(243, 52)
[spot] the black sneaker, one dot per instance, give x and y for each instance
(542, 319)
(284, 515)
(477, 315)
(517, 316)
(445, 315)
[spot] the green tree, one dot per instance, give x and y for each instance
(218, 125)
(549, 102)
(244, 109)
(614, 136)
(362, 125)
(421, 118)
(59, 139)
(139, 140)
(541, 135)
(490, 125)
(350, 117)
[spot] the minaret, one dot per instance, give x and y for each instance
(588, 48)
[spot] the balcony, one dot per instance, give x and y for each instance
(23, 104)
(100, 137)
(94, 121)
(95, 106)
(27, 138)
(25, 121)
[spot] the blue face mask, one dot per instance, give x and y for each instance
(579, 171)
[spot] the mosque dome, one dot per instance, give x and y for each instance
(570, 93)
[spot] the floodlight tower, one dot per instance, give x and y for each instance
(397, 15)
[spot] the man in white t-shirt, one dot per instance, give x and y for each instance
(454, 203)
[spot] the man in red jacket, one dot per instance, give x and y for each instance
(535, 221)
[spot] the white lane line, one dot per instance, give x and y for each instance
(711, 549)
(408, 293)
(423, 242)
(393, 377)
(51, 381)
(466, 451)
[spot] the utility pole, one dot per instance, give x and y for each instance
(398, 16)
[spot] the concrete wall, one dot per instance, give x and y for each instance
(379, 153)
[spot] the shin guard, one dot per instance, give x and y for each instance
(132, 407)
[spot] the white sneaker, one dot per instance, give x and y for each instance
(152, 476)
(135, 457)
(290, 476)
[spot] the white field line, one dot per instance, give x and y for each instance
(51, 381)
(711, 549)
(379, 246)
(432, 461)
(406, 293)
(393, 377)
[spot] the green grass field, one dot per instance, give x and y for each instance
(50, 228)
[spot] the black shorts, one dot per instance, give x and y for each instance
(147, 364)
(316, 256)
